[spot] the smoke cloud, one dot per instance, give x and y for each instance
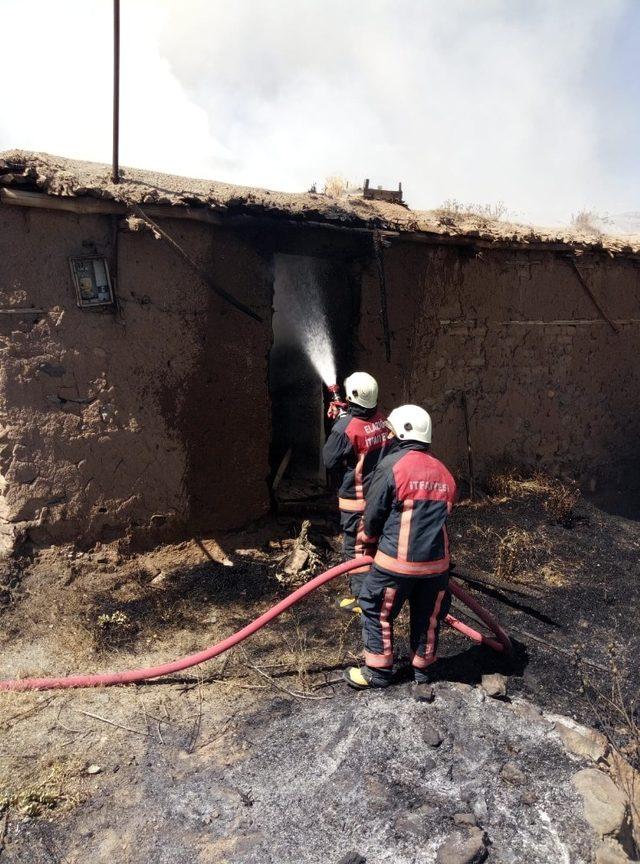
(528, 102)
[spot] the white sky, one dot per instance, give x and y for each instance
(530, 102)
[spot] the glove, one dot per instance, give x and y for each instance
(336, 409)
(370, 548)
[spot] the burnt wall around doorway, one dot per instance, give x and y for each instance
(153, 418)
(548, 383)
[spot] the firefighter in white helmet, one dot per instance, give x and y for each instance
(356, 444)
(408, 502)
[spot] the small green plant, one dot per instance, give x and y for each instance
(115, 619)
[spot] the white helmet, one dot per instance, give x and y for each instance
(410, 423)
(362, 389)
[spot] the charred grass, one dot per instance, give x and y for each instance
(141, 610)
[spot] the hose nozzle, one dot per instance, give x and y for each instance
(337, 405)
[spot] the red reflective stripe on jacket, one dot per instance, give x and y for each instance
(351, 505)
(405, 529)
(378, 661)
(411, 568)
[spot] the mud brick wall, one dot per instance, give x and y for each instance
(548, 383)
(143, 420)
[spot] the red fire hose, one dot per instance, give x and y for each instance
(133, 676)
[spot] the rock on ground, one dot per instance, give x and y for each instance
(580, 740)
(606, 807)
(495, 684)
(463, 848)
(611, 852)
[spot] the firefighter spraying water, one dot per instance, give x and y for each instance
(357, 442)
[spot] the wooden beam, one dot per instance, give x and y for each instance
(21, 198)
(85, 205)
(600, 308)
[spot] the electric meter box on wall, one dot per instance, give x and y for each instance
(92, 283)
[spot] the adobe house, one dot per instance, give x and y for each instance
(137, 401)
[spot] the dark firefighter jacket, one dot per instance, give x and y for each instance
(358, 441)
(410, 496)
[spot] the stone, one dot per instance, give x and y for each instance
(512, 774)
(469, 847)
(464, 819)
(353, 858)
(159, 580)
(605, 806)
(422, 692)
(582, 741)
(480, 809)
(23, 473)
(528, 711)
(415, 822)
(377, 796)
(469, 791)
(428, 765)
(627, 779)
(611, 852)
(94, 769)
(54, 370)
(529, 798)
(431, 736)
(495, 685)
(461, 687)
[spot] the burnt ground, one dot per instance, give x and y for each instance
(262, 749)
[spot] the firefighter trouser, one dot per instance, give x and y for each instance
(381, 599)
(353, 546)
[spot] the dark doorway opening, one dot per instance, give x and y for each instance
(312, 296)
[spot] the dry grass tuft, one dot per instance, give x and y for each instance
(552, 576)
(301, 656)
(452, 210)
(49, 794)
(559, 498)
(504, 481)
(589, 222)
(516, 555)
(561, 502)
(336, 186)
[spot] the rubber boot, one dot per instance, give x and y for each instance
(363, 678)
(422, 687)
(348, 604)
